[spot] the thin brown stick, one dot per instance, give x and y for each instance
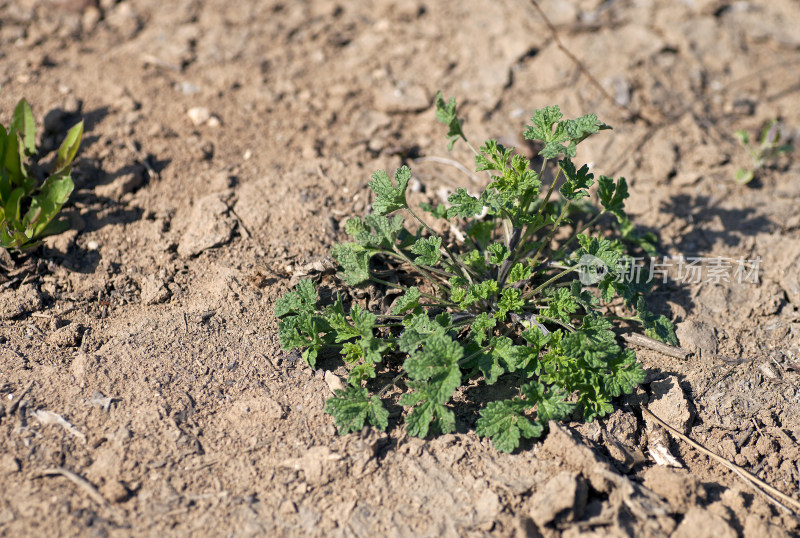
(650, 343)
(773, 495)
(583, 68)
(85, 485)
(13, 407)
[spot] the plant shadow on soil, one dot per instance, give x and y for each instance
(736, 223)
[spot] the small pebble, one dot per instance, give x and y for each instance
(9, 464)
(199, 115)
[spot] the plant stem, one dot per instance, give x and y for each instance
(440, 301)
(547, 283)
(390, 385)
(455, 261)
(422, 271)
(564, 324)
(513, 242)
(549, 236)
(576, 234)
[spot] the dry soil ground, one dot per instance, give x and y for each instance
(148, 328)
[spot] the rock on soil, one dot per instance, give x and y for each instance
(669, 403)
(154, 291)
(67, 336)
(697, 337)
(700, 523)
(681, 490)
(209, 226)
(561, 500)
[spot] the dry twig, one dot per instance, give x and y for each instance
(650, 343)
(13, 407)
(84, 485)
(557, 40)
(773, 495)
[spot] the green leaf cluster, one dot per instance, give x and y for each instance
(28, 208)
(504, 301)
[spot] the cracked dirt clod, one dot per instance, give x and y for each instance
(15, 303)
(669, 403)
(562, 499)
(209, 226)
(681, 490)
(697, 337)
(699, 522)
(154, 291)
(67, 336)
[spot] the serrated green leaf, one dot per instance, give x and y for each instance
(542, 123)
(363, 320)
(446, 113)
(302, 299)
(510, 301)
(437, 362)
(355, 228)
(504, 424)
(478, 292)
(408, 301)
(387, 230)
(354, 407)
(354, 262)
(612, 196)
(498, 253)
(581, 128)
(418, 328)
(490, 366)
(303, 330)
(428, 250)
(577, 181)
(511, 356)
(561, 306)
(359, 373)
(519, 272)
(560, 136)
(429, 416)
(351, 352)
(624, 374)
(550, 401)
(389, 197)
(481, 325)
(463, 205)
(492, 156)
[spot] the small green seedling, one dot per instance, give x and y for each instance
(770, 147)
(515, 299)
(27, 209)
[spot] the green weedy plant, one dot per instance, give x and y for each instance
(507, 305)
(27, 209)
(771, 146)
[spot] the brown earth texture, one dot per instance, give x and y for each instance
(143, 391)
